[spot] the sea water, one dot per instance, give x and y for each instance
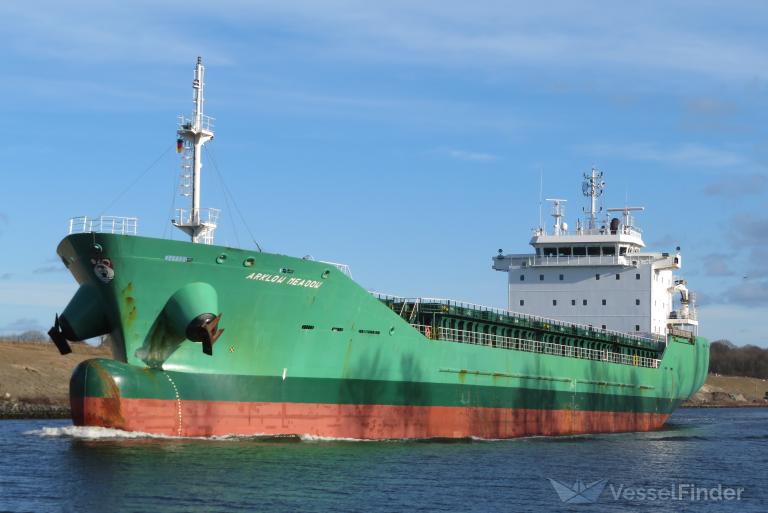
(690, 465)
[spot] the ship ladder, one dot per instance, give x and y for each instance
(414, 312)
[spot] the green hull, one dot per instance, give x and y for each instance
(299, 332)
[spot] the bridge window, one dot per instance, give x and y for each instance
(597, 276)
(593, 250)
(579, 251)
(603, 326)
(550, 251)
(566, 251)
(622, 250)
(609, 250)
(618, 276)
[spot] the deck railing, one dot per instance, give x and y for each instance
(104, 224)
(586, 260)
(424, 301)
(533, 346)
(344, 268)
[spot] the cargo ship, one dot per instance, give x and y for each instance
(213, 340)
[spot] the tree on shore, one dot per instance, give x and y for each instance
(27, 336)
(730, 360)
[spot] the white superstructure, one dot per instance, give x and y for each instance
(598, 274)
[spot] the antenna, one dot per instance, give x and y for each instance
(558, 211)
(541, 193)
(593, 187)
(193, 133)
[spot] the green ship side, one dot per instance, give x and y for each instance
(303, 349)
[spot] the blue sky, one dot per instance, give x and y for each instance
(405, 139)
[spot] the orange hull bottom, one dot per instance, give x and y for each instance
(209, 418)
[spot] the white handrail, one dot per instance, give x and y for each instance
(344, 268)
(533, 346)
(500, 311)
(104, 224)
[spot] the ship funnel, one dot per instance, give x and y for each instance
(83, 318)
(191, 312)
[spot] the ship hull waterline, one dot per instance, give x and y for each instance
(173, 415)
(340, 421)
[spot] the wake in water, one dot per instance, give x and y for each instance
(93, 433)
(102, 433)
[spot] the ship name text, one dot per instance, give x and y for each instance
(276, 278)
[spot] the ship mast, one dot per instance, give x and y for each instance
(199, 224)
(593, 186)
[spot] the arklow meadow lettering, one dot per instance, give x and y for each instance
(278, 279)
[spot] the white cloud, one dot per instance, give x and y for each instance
(496, 35)
(688, 155)
(473, 156)
(91, 31)
(567, 34)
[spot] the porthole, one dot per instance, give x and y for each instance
(392, 330)
(248, 262)
(221, 258)
(325, 274)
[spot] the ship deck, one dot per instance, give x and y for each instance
(456, 321)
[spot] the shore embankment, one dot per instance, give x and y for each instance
(729, 391)
(34, 378)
